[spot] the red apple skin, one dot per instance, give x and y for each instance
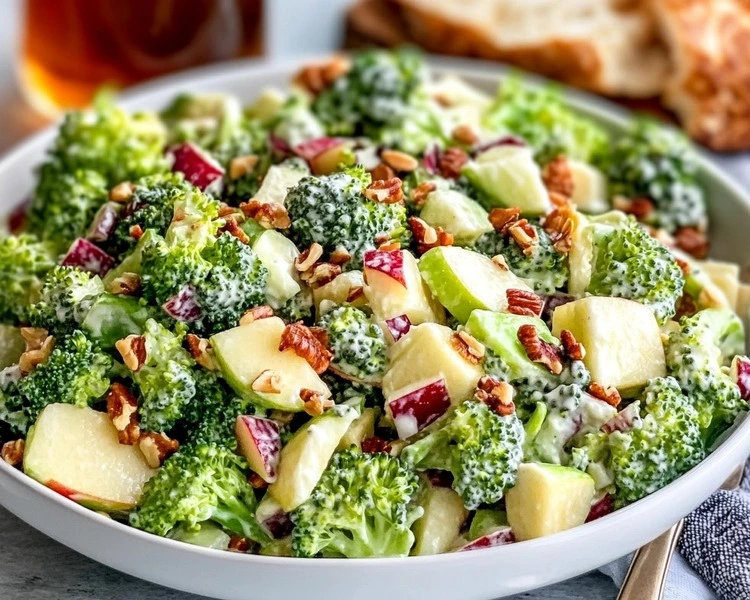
(278, 525)
(198, 167)
(499, 537)
(183, 306)
(740, 372)
(602, 507)
(88, 257)
(104, 223)
(416, 410)
(622, 421)
(389, 263)
(89, 502)
(312, 148)
(398, 327)
(260, 442)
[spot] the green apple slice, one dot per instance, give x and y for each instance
(362, 427)
(277, 181)
(278, 253)
(548, 499)
(246, 351)
(75, 451)
(306, 456)
(457, 214)
(437, 530)
(589, 187)
(207, 535)
(464, 281)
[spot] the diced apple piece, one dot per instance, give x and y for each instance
(247, 351)
(273, 519)
(183, 306)
(457, 214)
(260, 443)
(395, 287)
(725, 276)
(277, 181)
(415, 407)
(601, 507)
(621, 337)
(309, 149)
(329, 160)
(306, 456)
(199, 167)
(548, 499)
(436, 530)
(362, 427)
(75, 451)
(498, 537)
(427, 353)
(88, 257)
(347, 288)
(464, 281)
(12, 345)
(589, 187)
(278, 253)
(398, 327)
(104, 222)
(739, 371)
(267, 104)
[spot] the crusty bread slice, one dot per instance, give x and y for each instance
(709, 86)
(608, 46)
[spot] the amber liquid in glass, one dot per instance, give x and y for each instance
(71, 48)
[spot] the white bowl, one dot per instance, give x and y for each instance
(478, 575)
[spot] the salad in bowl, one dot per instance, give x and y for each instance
(381, 314)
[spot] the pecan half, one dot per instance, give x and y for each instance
(200, 350)
(524, 302)
(321, 334)
(502, 218)
(572, 348)
(428, 237)
(419, 194)
(233, 228)
(122, 193)
(122, 408)
(465, 134)
(557, 177)
(374, 444)
(538, 350)
(268, 382)
(498, 395)
(255, 314)
(256, 481)
(321, 274)
(451, 162)
(560, 225)
(315, 402)
(133, 351)
(126, 284)
(12, 452)
(242, 165)
(524, 235)
(316, 77)
(640, 208)
(340, 256)
(39, 345)
(382, 171)
(692, 241)
(608, 394)
(157, 447)
(308, 258)
(399, 161)
(355, 292)
(385, 191)
(299, 338)
(468, 347)
(269, 215)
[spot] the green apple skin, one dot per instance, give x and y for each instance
(437, 530)
(457, 214)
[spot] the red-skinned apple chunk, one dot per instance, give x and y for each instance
(499, 537)
(198, 167)
(260, 443)
(420, 405)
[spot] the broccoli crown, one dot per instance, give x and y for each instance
(375, 92)
(480, 448)
(541, 118)
(695, 358)
(361, 507)
(665, 445)
(629, 263)
(64, 203)
(297, 308)
(332, 211)
(358, 344)
(76, 372)
(655, 162)
(66, 297)
(545, 267)
(11, 406)
(24, 261)
(166, 381)
(199, 483)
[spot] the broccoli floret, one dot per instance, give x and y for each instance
(343, 390)
(11, 406)
(545, 267)
(206, 119)
(197, 484)
(24, 261)
(696, 354)
(76, 372)
(480, 448)
(375, 92)
(361, 507)
(66, 297)
(358, 344)
(64, 204)
(541, 118)
(627, 262)
(298, 308)
(332, 211)
(295, 122)
(166, 381)
(657, 163)
(665, 445)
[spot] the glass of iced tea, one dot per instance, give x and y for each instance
(71, 48)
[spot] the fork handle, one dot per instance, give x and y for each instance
(648, 570)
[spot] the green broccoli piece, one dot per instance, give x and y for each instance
(206, 119)
(197, 484)
(361, 507)
(298, 308)
(64, 203)
(696, 354)
(358, 344)
(24, 261)
(343, 390)
(332, 211)
(541, 117)
(376, 92)
(546, 268)
(664, 445)
(655, 162)
(66, 297)
(480, 448)
(11, 406)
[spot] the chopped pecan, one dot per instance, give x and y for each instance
(374, 444)
(558, 200)
(385, 191)
(557, 176)
(572, 348)
(299, 338)
(133, 351)
(538, 350)
(500, 262)
(382, 171)
(315, 402)
(12, 452)
(256, 481)
(608, 394)
(242, 165)
(419, 194)
(228, 211)
(237, 543)
(524, 302)
(468, 347)
(233, 228)
(498, 395)
(157, 447)
(316, 77)
(255, 314)
(465, 134)
(122, 408)
(201, 351)
(427, 236)
(502, 218)
(686, 307)
(399, 161)
(640, 208)
(524, 235)
(34, 337)
(308, 258)
(39, 346)
(684, 266)
(340, 256)
(122, 192)
(321, 334)
(126, 284)
(692, 241)
(269, 215)
(321, 274)
(451, 162)
(560, 225)
(268, 382)
(136, 232)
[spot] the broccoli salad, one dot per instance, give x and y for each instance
(380, 314)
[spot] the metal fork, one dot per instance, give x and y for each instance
(648, 570)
